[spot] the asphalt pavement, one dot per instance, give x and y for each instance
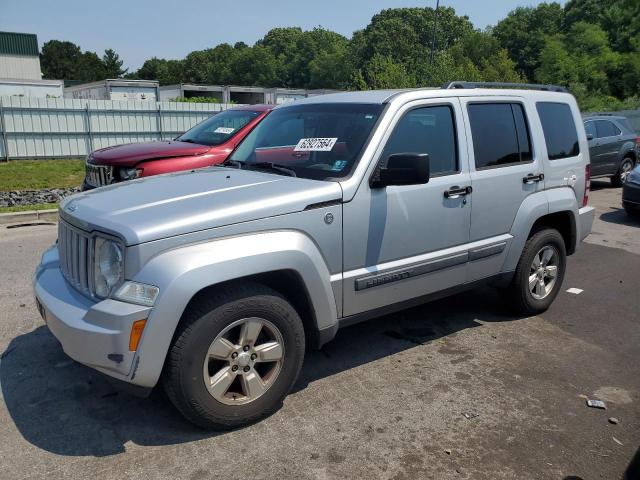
(458, 388)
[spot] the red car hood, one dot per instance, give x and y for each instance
(130, 154)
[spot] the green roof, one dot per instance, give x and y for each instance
(19, 44)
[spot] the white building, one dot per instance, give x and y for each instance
(20, 73)
(115, 89)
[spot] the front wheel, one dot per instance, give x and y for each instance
(235, 357)
(625, 168)
(540, 272)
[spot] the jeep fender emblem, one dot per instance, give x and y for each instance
(328, 218)
(72, 207)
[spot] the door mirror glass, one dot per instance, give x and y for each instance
(403, 169)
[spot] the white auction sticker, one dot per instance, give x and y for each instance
(224, 130)
(315, 145)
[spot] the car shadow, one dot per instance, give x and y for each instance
(620, 217)
(600, 184)
(68, 409)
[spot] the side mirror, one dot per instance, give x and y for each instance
(589, 136)
(403, 169)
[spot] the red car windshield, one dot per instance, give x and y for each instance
(319, 141)
(219, 128)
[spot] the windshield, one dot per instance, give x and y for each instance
(219, 128)
(318, 141)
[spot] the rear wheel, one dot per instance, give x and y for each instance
(235, 357)
(540, 272)
(625, 168)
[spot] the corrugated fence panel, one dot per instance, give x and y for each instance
(62, 127)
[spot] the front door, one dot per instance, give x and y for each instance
(402, 242)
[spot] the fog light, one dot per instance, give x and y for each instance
(138, 293)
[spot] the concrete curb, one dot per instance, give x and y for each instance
(29, 216)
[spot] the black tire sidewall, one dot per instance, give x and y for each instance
(200, 336)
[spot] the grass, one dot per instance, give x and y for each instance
(25, 208)
(40, 174)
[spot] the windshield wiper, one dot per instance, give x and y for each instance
(272, 166)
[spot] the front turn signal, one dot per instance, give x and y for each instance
(136, 333)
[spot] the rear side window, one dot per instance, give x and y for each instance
(560, 132)
(606, 129)
(427, 130)
(500, 134)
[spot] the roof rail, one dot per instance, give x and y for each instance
(527, 86)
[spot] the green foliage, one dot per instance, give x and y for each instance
(195, 100)
(113, 64)
(66, 61)
(591, 46)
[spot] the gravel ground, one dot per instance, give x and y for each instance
(385, 400)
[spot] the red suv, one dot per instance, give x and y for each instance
(208, 143)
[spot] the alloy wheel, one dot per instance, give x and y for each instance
(243, 361)
(544, 272)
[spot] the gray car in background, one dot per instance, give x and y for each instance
(614, 147)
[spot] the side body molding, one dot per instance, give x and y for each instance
(182, 272)
(534, 207)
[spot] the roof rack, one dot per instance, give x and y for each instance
(527, 86)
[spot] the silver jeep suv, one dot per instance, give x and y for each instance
(333, 210)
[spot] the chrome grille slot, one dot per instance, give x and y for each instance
(75, 249)
(98, 175)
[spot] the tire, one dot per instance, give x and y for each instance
(523, 299)
(625, 167)
(229, 310)
(632, 212)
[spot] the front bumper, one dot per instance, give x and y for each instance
(586, 216)
(631, 195)
(95, 334)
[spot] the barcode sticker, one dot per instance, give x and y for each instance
(315, 145)
(224, 130)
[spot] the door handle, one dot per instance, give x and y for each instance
(531, 178)
(456, 192)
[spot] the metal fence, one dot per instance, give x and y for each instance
(70, 128)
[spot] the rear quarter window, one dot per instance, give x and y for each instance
(560, 132)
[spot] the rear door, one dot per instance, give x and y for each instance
(596, 152)
(609, 143)
(504, 170)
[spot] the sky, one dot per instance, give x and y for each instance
(141, 29)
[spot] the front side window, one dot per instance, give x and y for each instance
(606, 129)
(559, 129)
(428, 130)
(590, 129)
(319, 141)
(500, 134)
(219, 128)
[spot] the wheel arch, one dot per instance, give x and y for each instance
(287, 261)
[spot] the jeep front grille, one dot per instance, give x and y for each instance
(75, 248)
(98, 175)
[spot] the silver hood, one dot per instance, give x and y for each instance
(153, 208)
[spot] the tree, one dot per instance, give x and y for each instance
(112, 64)
(523, 33)
(89, 68)
(245, 71)
(59, 60)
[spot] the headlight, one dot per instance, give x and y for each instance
(634, 176)
(129, 173)
(107, 267)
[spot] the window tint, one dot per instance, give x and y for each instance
(560, 132)
(427, 130)
(606, 129)
(500, 134)
(590, 128)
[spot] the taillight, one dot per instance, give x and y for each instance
(587, 185)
